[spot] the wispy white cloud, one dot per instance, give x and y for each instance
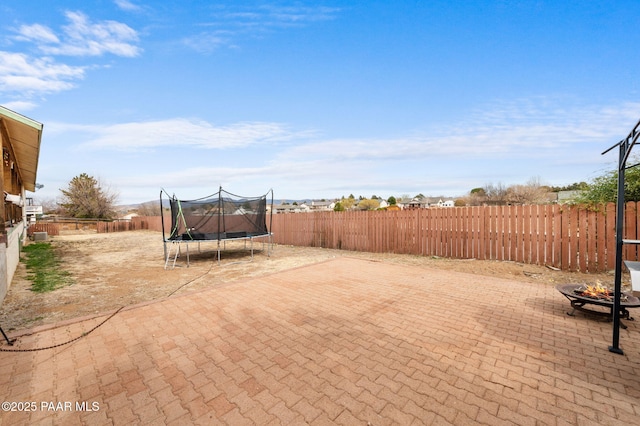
(229, 23)
(127, 5)
(270, 15)
(21, 106)
(177, 132)
(208, 41)
(278, 15)
(523, 129)
(505, 143)
(204, 177)
(82, 37)
(25, 75)
(554, 137)
(38, 33)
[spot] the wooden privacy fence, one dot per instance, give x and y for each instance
(153, 223)
(137, 223)
(572, 238)
(50, 228)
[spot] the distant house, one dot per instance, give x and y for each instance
(290, 208)
(21, 138)
(446, 203)
(428, 202)
(32, 211)
(417, 203)
(322, 206)
(129, 216)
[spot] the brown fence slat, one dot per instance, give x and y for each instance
(581, 234)
(573, 239)
(502, 233)
(534, 227)
(549, 256)
(512, 234)
(592, 241)
(557, 237)
(565, 240)
(527, 216)
(538, 235)
(601, 238)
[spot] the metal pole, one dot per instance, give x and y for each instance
(164, 241)
(9, 341)
(615, 346)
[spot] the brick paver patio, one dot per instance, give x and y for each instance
(346, 341)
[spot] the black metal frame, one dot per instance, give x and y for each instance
(9, 341)
(624, 150)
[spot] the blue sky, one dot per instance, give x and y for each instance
(321, 99)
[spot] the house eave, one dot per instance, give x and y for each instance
(25, 136)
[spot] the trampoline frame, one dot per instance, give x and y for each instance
(174, 249)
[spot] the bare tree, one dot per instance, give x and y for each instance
(476, 197)
(495, 194)
(49, 205)
(533, 192)
(150, 208)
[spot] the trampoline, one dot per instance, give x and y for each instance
(219, 217)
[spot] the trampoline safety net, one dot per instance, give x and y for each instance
(220, 216)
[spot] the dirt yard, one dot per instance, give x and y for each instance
(122, 269)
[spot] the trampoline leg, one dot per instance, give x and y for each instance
(175, 256)
(168, 256)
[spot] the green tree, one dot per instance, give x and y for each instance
(338, 207)
(392, 201)
(604, 188)
(348, 203)
(576, 186)
(85, 198)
